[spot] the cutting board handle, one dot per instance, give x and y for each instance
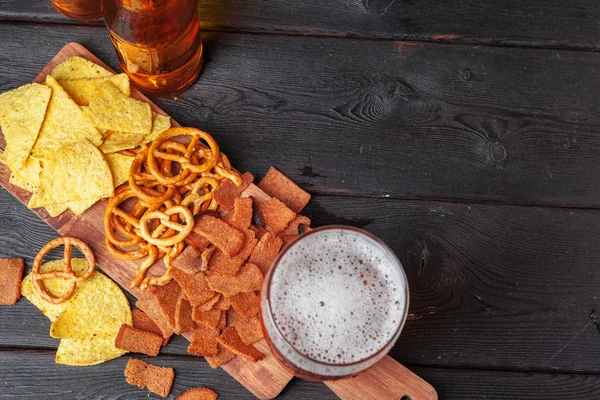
(388, 379)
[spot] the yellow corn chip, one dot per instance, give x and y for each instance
(121, 141)
(111, 109)
(119, 166)
(77, 68)
(160, 123)
(27, 177)
(83, 89)
(22, 112)
(88, 351)
(74, 172)
(89, 321)
(55, 209)
(78, 207)
(64, 123)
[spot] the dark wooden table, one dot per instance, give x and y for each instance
(466, 134)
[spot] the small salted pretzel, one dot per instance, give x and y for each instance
(194, 197)
(183, 230)
(67, 272)
(142, 192)
(157, 151)
(143, 266)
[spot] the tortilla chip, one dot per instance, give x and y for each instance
(157, 379)
(22, 112)
(11, 272)
(78, 68)
(64, 124)
(149, 304)
(221, 358)
(230, 339)
(245, 304)
(167, 297)
(138, 341)
(97, 307)
(85, 352)
(249, 329)
(249, 279)
(277, 185)
(199, 393)
(111, 109)
(241, 216)
(75, 172)
(265, 252)
(274, 214)
(82, 90)
(207, 318)
(195, 287)
(88, 332)
(220, 264)
(119, 167)
(160, 123)
(143, 322)
(204, 341)
(209, 304)
(227, 239)
(183, 315)
(27, 177)
(118, 141)
(226, 192)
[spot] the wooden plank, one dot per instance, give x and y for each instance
(33, 375)
(499, 287)
(537, 23)
(386, 380)
(89, 228)
(381, 118)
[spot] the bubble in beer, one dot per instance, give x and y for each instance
(329, 311)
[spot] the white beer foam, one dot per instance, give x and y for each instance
(338, 296)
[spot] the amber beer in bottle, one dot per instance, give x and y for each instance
(158, 42)
(83, 10)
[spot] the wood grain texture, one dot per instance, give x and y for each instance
(537, 23)
(33, 375)
(89, 228)
(381, 118)
(495, 287)
(386, 380)
(266, 378)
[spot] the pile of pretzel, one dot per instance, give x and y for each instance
(171, 181)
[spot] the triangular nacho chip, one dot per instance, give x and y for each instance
(77, 68)
(83, 89)
(22, 112)
(64, 123)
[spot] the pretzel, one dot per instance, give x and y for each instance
(194, 196)
(67, 272)
(165, 220)
(146, 194)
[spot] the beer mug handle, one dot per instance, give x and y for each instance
(388, 379)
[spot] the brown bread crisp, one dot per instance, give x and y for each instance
(138, 341)
(157, 379)
(11, 272)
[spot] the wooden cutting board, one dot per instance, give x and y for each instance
(265, 379)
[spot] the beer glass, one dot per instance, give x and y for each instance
(333, 303)
(158, 42)
(83, 10)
